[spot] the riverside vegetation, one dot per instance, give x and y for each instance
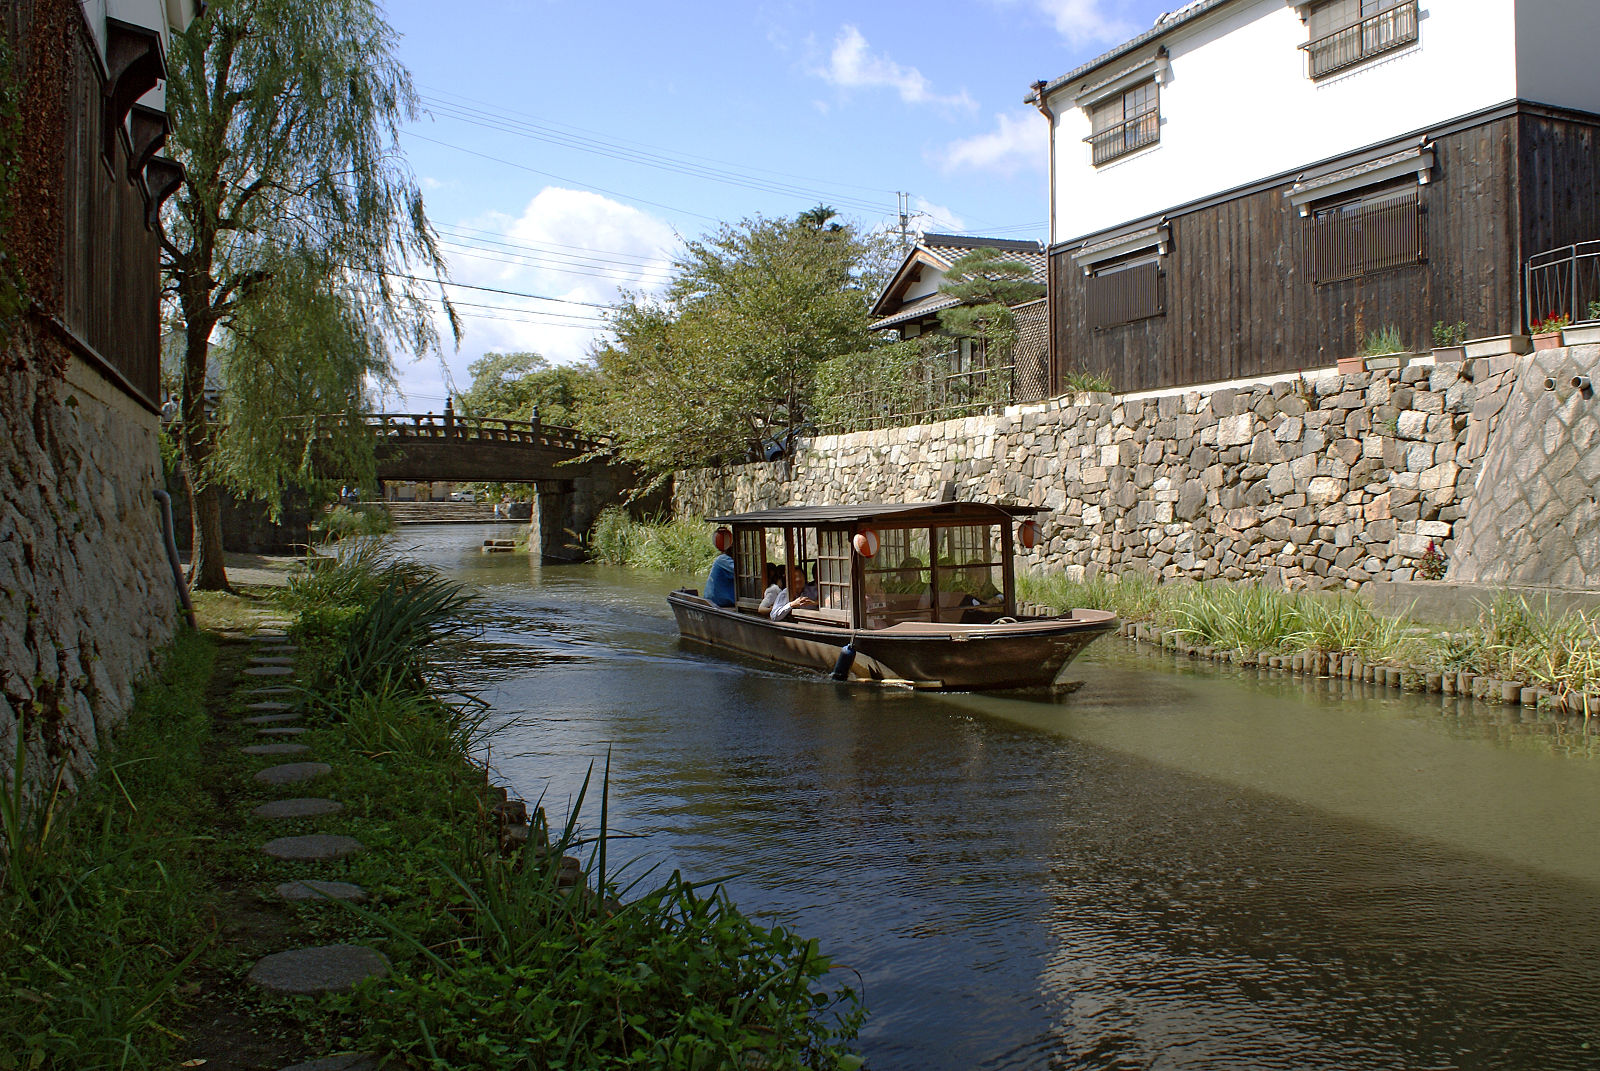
(1513, 639)
(119, 913)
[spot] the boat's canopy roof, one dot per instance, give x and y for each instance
(887, 512)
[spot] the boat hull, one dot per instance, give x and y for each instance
(1032, 653)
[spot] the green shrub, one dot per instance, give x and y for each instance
(681, 545)
(1378, 343)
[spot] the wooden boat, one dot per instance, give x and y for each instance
(921, 592)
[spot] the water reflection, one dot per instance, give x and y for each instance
(1175, 868)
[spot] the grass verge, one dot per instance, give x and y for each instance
(680, 545)
(1514, 638)
(102, 900)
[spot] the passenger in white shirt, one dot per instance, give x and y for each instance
(774, 590)
(799, 595)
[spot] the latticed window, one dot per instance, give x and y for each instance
(1123, 292)
(833, 569)
(1347, 32)
(1370, 234)
(751, 577)
(1124, 122)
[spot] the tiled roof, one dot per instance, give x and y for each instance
(951, 247)
(915, 310)
(1167, 21)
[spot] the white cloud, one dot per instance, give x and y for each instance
(1085, 22)
(571, 245)
(1019, 140)
(940, 219)
(853, 65)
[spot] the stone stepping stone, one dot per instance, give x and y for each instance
(305, 807)
(312, 848)
(275, 749)
(314, 971)
(349, 1061)
(291, 773)
(271, 660)
(282, 730)
(270, 719)
(322, 890)
(278, 648)
(268, 671)
(269, 706)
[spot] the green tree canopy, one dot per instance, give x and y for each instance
(727, 359)
(512, 385)
(286, 118)
(988, 284)
(297, 364)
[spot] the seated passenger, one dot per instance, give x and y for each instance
(798, 596)
(908, 579)
(719, 585)
(774, 587)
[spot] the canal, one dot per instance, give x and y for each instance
(1179, 866)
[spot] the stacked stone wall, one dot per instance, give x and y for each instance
(1320, 480)
(86, 595)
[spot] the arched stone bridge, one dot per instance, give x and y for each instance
(427, 446)
(573, 477)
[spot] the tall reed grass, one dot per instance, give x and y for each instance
(1512, 639)
(678, 545)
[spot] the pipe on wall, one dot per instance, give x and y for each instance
(170, 537)
(1043, 105)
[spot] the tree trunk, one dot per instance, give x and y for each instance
(207, 569)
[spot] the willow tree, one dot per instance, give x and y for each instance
(286, 117)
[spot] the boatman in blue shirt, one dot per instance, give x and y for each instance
(719, 585)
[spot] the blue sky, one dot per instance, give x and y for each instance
(569, 147)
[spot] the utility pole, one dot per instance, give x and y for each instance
(904, 199)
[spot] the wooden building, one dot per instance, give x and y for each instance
(90, 179)
(1254, 186)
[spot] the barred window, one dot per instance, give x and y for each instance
(1124, 122)
(751, 579)
(1124, 291)
(1369, 234)
(1347, 32)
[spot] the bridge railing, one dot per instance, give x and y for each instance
(433, 426)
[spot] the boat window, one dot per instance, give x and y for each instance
(895, 583)
(751, 551)
(833, 569)
(968, 574)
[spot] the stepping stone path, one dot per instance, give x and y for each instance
(282, 730)
(272, 689)
(322, 890)
(268, 706)
(305, 807)
(271, 719)
(314, 971)
(271, 660)
(350, 1061)
(312, 848)
(275, 749)
(268, 671)
(293, 772)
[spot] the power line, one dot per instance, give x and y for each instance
(559, 178)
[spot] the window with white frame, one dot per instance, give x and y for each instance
(1124, 122)
(1344, 33)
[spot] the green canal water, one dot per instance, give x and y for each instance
(1178, 866)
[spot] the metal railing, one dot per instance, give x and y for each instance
(1130, 134)
(1562, 282)
(944, 383)
(1389, 29)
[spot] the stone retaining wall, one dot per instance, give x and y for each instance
(1321, 480)
(86, 596)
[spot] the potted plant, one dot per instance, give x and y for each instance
(1586, 333)
(1547, 332)
(1380, 349)
(1449, 341)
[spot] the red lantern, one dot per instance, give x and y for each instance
(723, 538)
(1029, 534)
(866, 542)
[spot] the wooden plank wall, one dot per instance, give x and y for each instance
(110, 269)
(1240, 297)
(1560, 182)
